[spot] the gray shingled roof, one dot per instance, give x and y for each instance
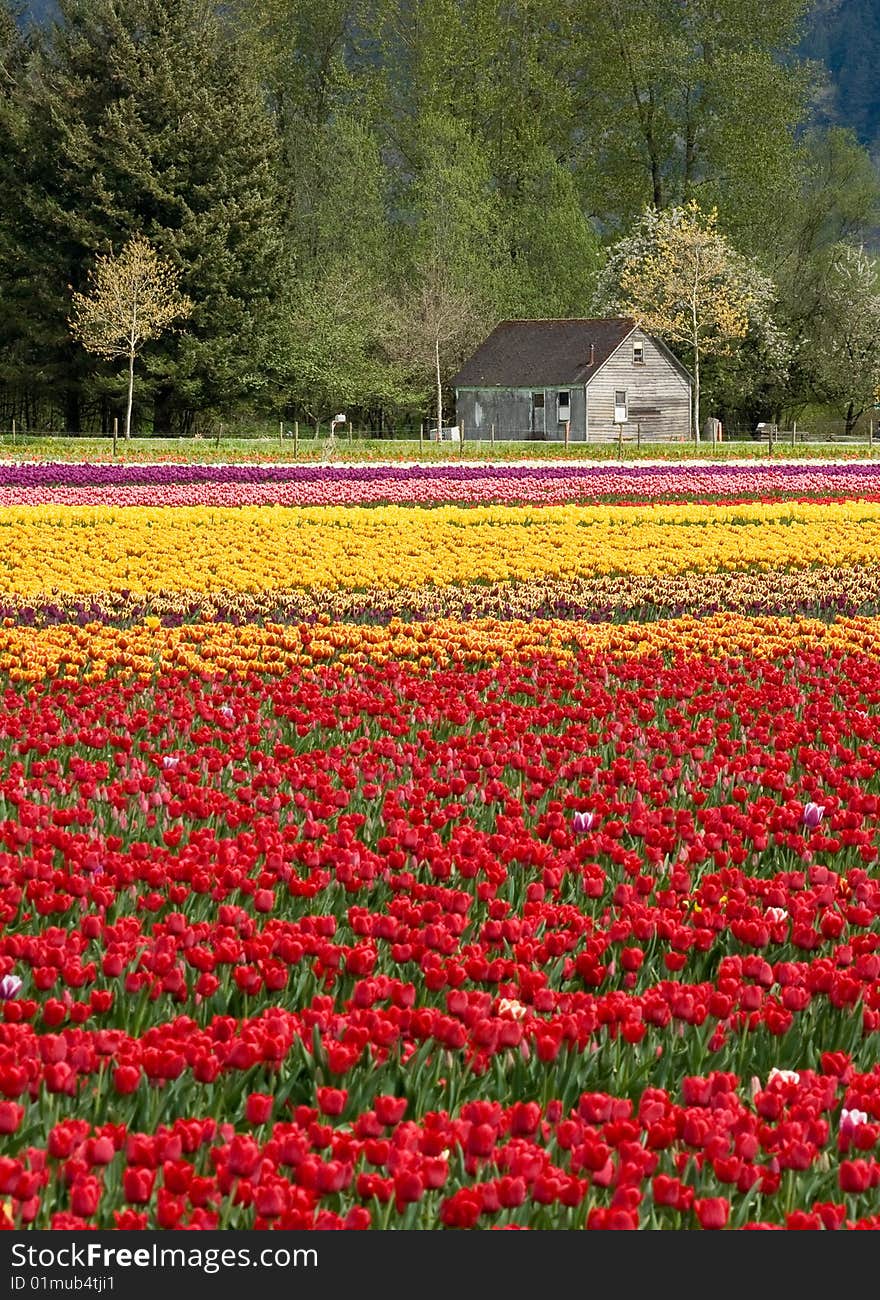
(526, 353)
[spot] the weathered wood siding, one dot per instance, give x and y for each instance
(510, 410)
(658, 395)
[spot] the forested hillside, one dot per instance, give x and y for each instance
(845, 35)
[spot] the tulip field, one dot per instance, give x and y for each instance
(440, 847)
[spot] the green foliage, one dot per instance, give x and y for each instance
(837, 201)
(133, 298)
(355, 191)
(680, 278)
(553, 252)
(330, 351)
(842, 350)
(691, 100)
(146, 115)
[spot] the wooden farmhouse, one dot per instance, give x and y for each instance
(532, 377)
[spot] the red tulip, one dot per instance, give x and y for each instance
(85, 1197)
(331, 1101)
(11, 1115)
(137, 1184)
(712, 1211)
(258, 1107)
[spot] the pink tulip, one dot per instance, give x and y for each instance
(812, 815)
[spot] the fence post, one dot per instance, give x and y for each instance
(115, 432)
(492, 435)
(461, 440)
(793, 432)
(870, 433)
(638, 434)
(280, 430)
(421, 435)
(296, 438)
(350, 434)
(13, 431)
(219, 431)
(620, 440)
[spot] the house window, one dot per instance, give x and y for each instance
(563, 403)
(537, 401)
(638, 354)
(620, 414)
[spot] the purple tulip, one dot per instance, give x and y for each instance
(581, 822)
(812, 815)
(10, 985)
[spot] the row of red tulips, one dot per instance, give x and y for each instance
(801, 1144)
(257, 902)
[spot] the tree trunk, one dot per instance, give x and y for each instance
(851, 418)
(130, 395)
(439, 389)
(656, 173)
(696, 393)
(165, 417)
(72, 414)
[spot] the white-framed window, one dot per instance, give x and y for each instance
(620, 407)
(638, 354)
(563, 405)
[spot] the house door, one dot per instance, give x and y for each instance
(538, 427)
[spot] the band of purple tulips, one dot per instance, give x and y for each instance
(467, 483)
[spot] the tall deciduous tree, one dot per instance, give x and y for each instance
(680, 278)
(837, 201)
(455, 271)
(685, 99)
(328, 349)
(551, 251)
(843, 349)
(331, 350)
(132, 298)
(437, 325)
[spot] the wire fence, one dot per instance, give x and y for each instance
(314, 441)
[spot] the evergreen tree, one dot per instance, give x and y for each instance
(146, 116)
(14, 289)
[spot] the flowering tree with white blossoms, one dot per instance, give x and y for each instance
(677, 275)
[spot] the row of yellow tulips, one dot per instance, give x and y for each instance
(28, 654)
(93, 549)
